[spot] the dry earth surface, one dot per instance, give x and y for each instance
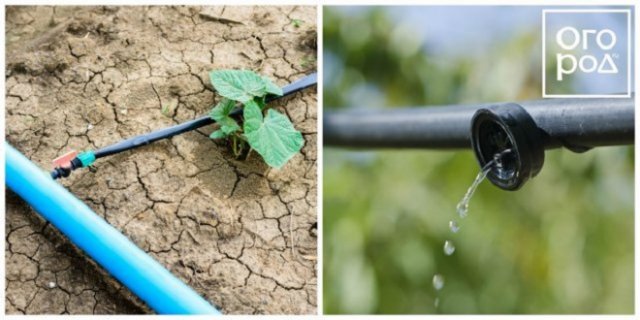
(241, 234)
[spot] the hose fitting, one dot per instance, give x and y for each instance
(66, 164)
(507, 135)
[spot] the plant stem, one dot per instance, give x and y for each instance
(234, 145)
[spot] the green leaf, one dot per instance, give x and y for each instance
(271, 87)
(222, 109)
(218, 134)
(220, 113)
(252, 116)
(228, 125)
(239, 85)
(273, 137)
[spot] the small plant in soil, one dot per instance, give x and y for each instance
(270, 133)
(296, 22)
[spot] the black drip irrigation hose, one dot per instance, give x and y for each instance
(577, 124)
(524, 129)
(169, 132)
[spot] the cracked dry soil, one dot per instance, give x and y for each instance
(241, 234)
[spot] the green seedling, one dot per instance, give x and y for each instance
(169, 108)
(296, 22)
(272, 135)
(165, 110)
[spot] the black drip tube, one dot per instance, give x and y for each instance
(191, 125)
(519, 133)
(165, 133)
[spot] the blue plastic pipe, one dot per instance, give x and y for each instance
(143, 275)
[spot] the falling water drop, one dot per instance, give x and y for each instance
(462, 209)
(438, 281)
(449, 248)
(453, 226)
(52, 285)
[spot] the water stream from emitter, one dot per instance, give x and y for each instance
(454, 226)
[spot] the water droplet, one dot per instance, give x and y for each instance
(436, 302)
(90, 126)
(449, 248)
(52, 285)
(462, 209)
(438, 281)
(453, 226)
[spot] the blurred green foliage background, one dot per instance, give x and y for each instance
(561, 244)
